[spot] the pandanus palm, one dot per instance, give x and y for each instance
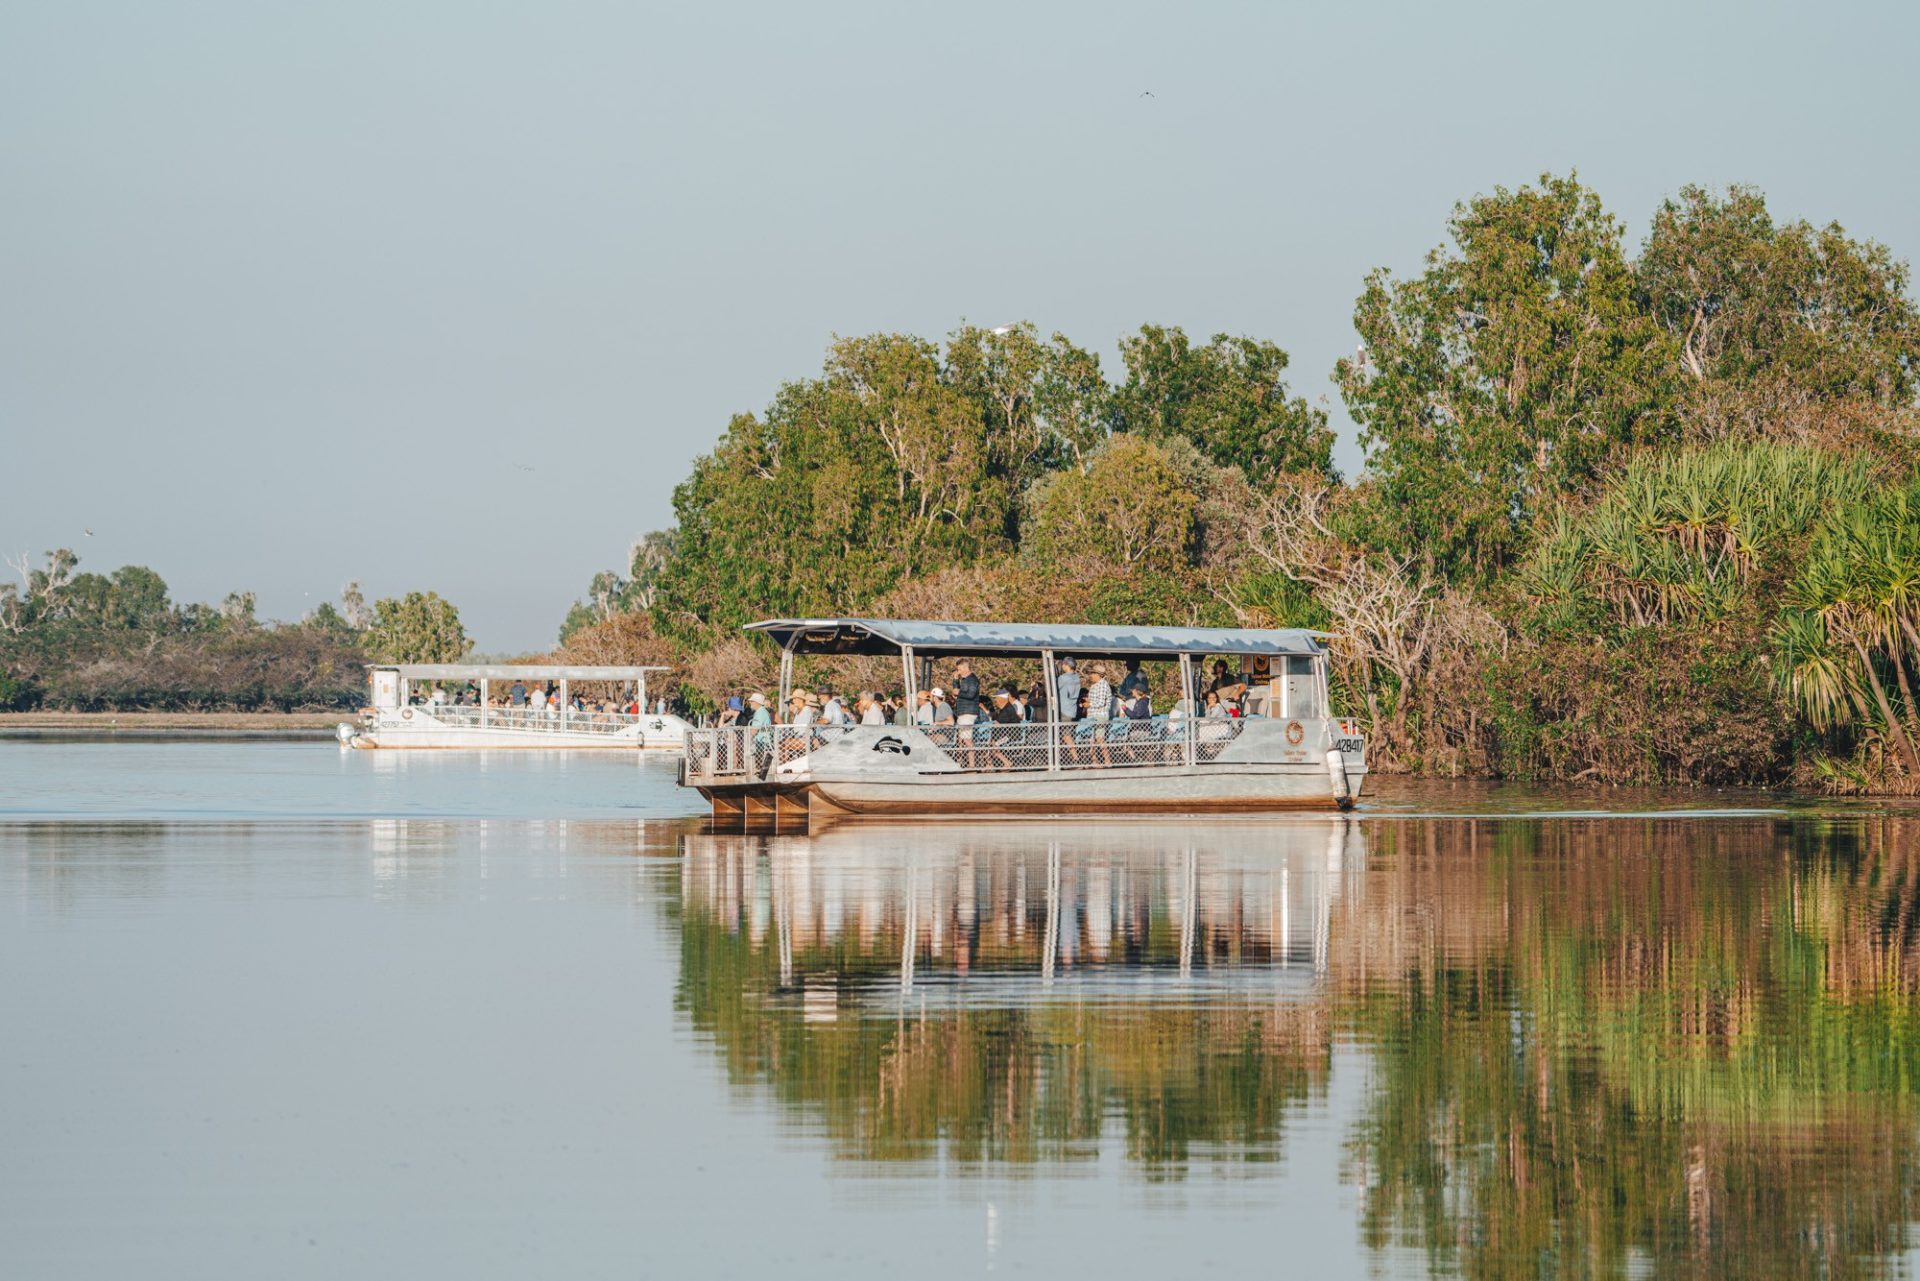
(1855, 594)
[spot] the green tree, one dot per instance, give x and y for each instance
(1229, 398)
(1764, 317)
(1507, 373)
(419, 627)
(877, 470)
(1133, 506)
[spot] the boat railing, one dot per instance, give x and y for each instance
(751, 753)
(747, 753)
(528, 719)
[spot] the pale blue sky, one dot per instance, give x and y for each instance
(287, 291)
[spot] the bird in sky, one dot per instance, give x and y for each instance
(87, 532)
(1146, 93)
(524, 466)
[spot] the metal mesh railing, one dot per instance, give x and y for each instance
(751, 753)
(463, 716)
(988, 747)
(748, 753)
(1211, 736)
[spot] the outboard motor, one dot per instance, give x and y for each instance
(345, 733)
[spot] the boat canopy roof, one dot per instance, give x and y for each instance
(512, 672)
(931, 639)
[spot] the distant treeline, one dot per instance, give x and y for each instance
(1626, 518)
(117, 642)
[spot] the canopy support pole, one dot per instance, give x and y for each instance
(911, 697)
(485, 701)
(566, 705)
(1188, 729)
(1051, 687)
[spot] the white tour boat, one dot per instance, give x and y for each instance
(413, 707)
(1277, 746)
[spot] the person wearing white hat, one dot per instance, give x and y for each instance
(942, 711)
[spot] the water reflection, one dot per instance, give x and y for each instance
(1005, 992)
(1612, 1046)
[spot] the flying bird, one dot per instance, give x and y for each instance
(524, 466)
(87, 532)
(1146, 93)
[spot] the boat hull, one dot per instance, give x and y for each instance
(817, 802)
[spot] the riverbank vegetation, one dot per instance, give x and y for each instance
(83, 642)
(1624, 517)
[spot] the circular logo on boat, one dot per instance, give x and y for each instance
(1295, 733)
(406, 713)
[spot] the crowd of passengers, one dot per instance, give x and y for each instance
(536, 699)
(1090, 701)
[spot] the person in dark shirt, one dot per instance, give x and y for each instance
(966, 693)
(1003, 712)
(1135, 681)
(1036, 709)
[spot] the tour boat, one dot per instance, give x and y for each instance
(412, 708)
(1281, 749)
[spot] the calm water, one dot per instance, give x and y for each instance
(271, 1010)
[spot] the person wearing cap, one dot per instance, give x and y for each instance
(923, 708)
(942, 710)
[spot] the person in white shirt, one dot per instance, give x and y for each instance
(870, 713)
(923, 708)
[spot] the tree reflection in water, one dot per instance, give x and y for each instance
(1596, 1046)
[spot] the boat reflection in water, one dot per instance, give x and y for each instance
(1604, 1046)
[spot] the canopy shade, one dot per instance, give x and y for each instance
(936, 639)
(512, 672)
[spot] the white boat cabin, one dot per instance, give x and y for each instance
(482, 705)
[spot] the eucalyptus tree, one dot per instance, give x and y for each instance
(1768, 317)
(1229, 398)
(1133, 506)
(419, 627)
(1504, 375)
(878, 469)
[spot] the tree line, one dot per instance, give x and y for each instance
(82, 641)
(1624, 516)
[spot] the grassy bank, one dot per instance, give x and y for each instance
(185, 724)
